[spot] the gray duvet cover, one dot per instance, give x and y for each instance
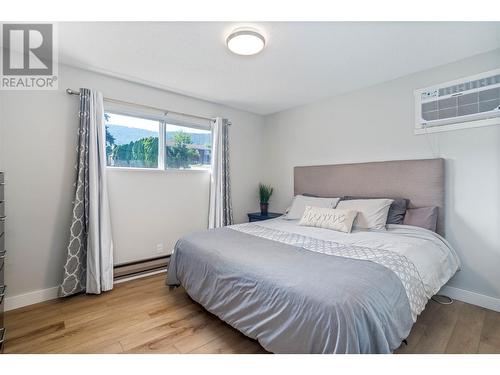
(290, 299)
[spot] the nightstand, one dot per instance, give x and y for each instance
(256, 216)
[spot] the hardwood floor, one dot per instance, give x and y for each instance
(144, 316)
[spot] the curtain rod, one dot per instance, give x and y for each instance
(75, 92)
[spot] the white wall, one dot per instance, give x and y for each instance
(39, 136)
(377, 124)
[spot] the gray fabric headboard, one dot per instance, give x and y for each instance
(420, 181)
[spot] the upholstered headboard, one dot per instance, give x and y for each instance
(420, 181)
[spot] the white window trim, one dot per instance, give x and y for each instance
(126, 110)
(162, 118)
(161, 146)
(156, 170)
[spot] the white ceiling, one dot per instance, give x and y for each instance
(302, 62)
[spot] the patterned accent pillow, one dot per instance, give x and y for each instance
(328, 218)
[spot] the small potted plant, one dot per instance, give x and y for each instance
(265, 192)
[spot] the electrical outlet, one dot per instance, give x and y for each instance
(159, 248)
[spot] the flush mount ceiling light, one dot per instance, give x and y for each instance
(245, 42)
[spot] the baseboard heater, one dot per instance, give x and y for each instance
(140, 267)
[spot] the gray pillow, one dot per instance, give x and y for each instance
(424, 217)
(397, 209)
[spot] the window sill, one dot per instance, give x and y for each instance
(156, 170)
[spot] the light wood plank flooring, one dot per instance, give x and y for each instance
(144, 316)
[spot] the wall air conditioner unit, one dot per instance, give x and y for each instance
(465, 103)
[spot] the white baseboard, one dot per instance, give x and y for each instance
(471, 297)
(21, 300)
(15, 302)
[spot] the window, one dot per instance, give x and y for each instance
(187, 148)
(135, 141)
(131, 141)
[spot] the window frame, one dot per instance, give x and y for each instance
(163, 121)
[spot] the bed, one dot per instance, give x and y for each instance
(299, 289)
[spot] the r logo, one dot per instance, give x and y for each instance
(27, 49)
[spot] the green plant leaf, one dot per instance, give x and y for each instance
(265, 192)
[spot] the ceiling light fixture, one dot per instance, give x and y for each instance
(245, 42)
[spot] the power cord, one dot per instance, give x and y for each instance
(442, 300)
(431, 142)
(438, 298)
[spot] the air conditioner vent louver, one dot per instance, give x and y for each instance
(471, 99)
(470, 85)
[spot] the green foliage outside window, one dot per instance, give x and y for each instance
(110, 140)
(144, 152)
(141, 153)
(180, 155)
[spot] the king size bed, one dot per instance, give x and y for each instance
(304, 289)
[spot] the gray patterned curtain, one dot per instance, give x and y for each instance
(220, 211)
(89, 263)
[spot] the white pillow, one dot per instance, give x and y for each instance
(372, 213)
(328, 218)
(299, 203)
